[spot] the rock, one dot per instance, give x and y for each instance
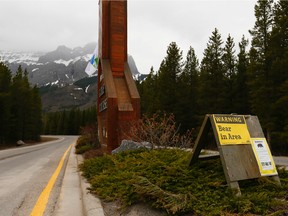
(131, 145)
(20, 143)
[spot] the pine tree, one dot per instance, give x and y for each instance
(278, 43)
(241, 104)
(5, 102)
(212, 82)
(149, 99)
(229, 67)
(262, 29)
(27, 109)
(278, 58)
(189, 92)
(36, 117)
(18, 101)
(168, 76)
(229, 58)
(26, 113)
(261, 94)
(68, 122)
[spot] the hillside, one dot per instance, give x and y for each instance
(81, 94)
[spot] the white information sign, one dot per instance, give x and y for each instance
(263, 156)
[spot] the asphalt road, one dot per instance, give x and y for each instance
(25, 172)
(281, 161)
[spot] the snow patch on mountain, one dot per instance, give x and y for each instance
(86, 89)
(61, 61)
(60, 67)
(55, 83)
(29, 58)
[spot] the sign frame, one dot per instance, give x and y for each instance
(239, 160)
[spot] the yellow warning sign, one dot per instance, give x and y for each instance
(231, 129)
(263, 156)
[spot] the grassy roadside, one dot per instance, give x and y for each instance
(162, 179)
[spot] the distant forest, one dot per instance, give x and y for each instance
(21, 116)
(253, 81)
(69, 122)
(21, 112)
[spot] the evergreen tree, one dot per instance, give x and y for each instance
(262, 29)
(278, 44)
(27, 108)
(91, 116)
(229, 67)
(241, 103)
(229, 58)
(22, 108)
(68, 122)
(36, 117)
(278, 57)
(5, 102)
(212, 82)
(149, 99)
(168, 76)
(18, 102)
(188, 92)
(261, 94)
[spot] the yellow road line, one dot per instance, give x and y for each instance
(42, 201)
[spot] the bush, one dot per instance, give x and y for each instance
(88, 139)
(93, 153)
(83, 149)
(160, 130)
(90, 134)
(163, 179)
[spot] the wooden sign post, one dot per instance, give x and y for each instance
(243, 149)
(118, 97)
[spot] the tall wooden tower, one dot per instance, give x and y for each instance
(118, 97)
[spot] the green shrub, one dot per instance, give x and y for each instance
(82, 145)
(163, 179)
(82, 149)
(160, 130)
(88, 139)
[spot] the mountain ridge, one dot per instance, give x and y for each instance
(62, 66)
(60, 75)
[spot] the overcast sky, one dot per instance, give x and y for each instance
(43, 25)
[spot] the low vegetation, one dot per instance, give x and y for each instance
(160, 130)
(163, 179)
(88, 143)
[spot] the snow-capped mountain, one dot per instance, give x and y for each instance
(61, 76)
(60, 67)
(20, 57)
